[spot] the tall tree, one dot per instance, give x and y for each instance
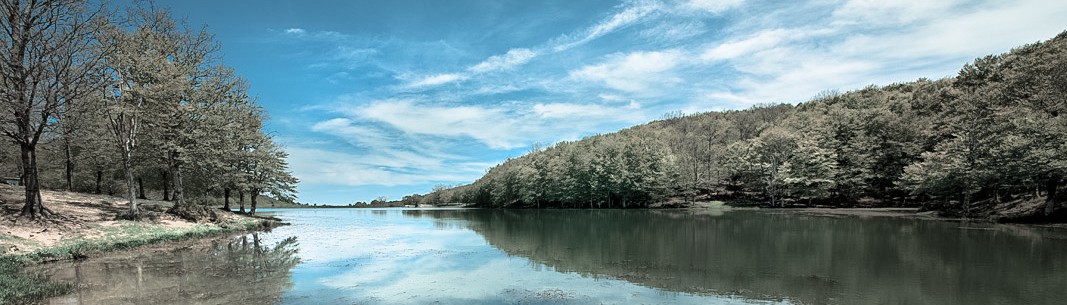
(186, 122)
(1036, 76)
(144, 74)
(47, 59)
(240, 125)
(964, 162)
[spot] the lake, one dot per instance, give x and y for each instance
(460, 256)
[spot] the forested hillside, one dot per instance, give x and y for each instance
(993, 135)
(133, 103)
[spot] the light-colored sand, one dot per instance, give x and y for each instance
(78, 216)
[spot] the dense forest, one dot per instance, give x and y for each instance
(991, 137)
(136, 103)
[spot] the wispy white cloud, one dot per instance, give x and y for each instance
(673, 30)
(384, 134)
(762, 40)
(300, 33)
(873, 42)
(572, 111)
(629, 15)
(507, 61)
(492, 126)
(633, 72)
(329, 166)
(436, 79)
(500, 126)
(355, 134)
(985, 29)
(714, 6)
(511, 59)
(867, 13)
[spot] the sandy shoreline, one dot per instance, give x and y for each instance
(85, 218)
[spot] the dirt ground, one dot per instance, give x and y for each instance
(78, 215)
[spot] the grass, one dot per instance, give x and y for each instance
(132, 234)
(17, 287)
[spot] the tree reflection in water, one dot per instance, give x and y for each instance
(804, 259)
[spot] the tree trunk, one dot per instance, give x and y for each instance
(99, 179)
(254, 194)
(140, 188)
(33, 208)
(127, 165)
(69, 173)
(966, 204)
(166, 184)
(241, 196)
(256, 248)
(226, 199)
(1050, 192)
(176, 169)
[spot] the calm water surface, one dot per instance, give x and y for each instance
(419, 256)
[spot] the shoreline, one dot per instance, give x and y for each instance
(906, 213)
(85, 226)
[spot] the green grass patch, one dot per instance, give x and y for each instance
(16, 287)
(132, 234)
(717, 204)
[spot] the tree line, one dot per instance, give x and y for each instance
(117, 101)
(992, 136)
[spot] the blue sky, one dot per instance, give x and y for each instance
(388, 98)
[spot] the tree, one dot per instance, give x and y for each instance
(1036, 76)
(770, 152)
(144, 74)
(187, 123)
(963, 163)
(241, 126)
(48, 58)
(809, 172)
(268, 172)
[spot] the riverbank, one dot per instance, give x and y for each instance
(85, 225)
(1013, 213)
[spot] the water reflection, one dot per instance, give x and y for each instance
(241, 270)
(361, 256)
(417, 257)
(805, 259)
